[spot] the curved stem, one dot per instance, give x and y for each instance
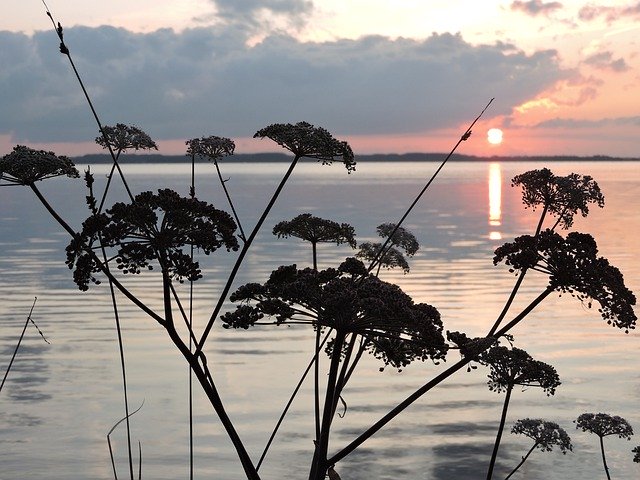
(604, 458)
(15, 351)
(243, 252)
(293, 395)
(496, 445)
(319, 464)
(429, 385)
(524, 459)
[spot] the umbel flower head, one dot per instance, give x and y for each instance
(154, 227)
(513, 366)
(603, 425)
(123, 137)
(560, 196)
(393, 257)
(212, 148)
(393, 327)
(304, 140)
(24, 166)
(316, 230)
(545, 434)
(574, 267)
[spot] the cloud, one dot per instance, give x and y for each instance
(535, 7)
(573, 123)
(205, 81)
(592, 12)
(605, 61)
(254, 13)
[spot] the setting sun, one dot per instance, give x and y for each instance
(494, 136)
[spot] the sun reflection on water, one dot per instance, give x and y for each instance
(495, 200)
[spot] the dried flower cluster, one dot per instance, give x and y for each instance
(211, 148)
(560, 196)
(513, 366)
(123, 137)
(316, 230)
(574, 267)
(545, 434)
(392, 257)
(393, 327)
(304, 140)
(154, 227)
(603, 425)
(24, 166)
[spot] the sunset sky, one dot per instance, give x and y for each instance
(389, 76)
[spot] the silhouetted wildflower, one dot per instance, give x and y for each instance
(304, 140)
(123, 137)
(545, 434)
(154, 227)
(24, 166)
(315, 230)
(562, 197)
(574, 267)
(392, 257)
(394, 328)
(212, 148)
(513, 366)
(603, 425)
(636, 457)
(402, 238)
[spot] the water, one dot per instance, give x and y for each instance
(61, 399)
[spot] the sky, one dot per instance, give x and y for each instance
(389, 76)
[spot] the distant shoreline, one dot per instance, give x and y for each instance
(381, 157)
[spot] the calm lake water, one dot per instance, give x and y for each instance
(61, 399)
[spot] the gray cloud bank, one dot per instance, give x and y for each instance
(206, 81)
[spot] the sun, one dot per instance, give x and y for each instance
(494, 136)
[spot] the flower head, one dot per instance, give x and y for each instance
(574, 267)
(392, 257)
(545, 434)
(154, 227)
(393, 327)
(316, 230)
(304, 140)
(562, 197)
(211, 148)
(603, 425)
(636, 457)
(123, 137)
(24, 166)
(401, 238)
(511, 367)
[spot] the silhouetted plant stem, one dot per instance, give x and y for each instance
(113, 463)
(226, 192)
(192, 191)
(496, 445)
(291, 398)
(604, 458)
(102, 266)
(203, 376)
(463, 138)
(316, 384)
(65, 51)
(243, 252)
(15, 351)
(432, 383)
(518, 283)
(524, 459)
(319, 464)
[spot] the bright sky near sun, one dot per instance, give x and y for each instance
(390, 76)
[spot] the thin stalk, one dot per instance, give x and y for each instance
(319, 464)
(463, 138)
(243, 252)
(293, 395)
(429, 385)
(518, 283)
(113, 463)
(192, 192)
(316, 383)
(496, 445)
(524, 459)
(604, 458)
(65, 51)
(342, 378)
(205, 381)
(15, 352)
(226, 192)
